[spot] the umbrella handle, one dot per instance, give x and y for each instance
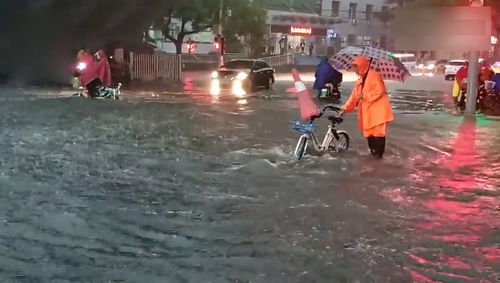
(364, 79)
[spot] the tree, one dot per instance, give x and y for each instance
(248, 23)
(193, 16)
(39, 38)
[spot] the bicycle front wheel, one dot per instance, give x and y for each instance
(300, 150)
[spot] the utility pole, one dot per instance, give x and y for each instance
(221, 13)
(472, 83)
(473, 73)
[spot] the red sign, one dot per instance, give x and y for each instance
(476, 3)
(301, 30)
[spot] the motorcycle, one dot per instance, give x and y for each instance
(95, 89)
(487, 98)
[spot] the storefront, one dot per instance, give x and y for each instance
(299, 33)
(297, 39)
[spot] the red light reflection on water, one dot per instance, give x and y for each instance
(419, 278)
(457, 216)
(188, 84)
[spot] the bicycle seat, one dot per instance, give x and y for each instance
(335, 119)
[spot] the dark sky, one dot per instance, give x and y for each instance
(39, 38)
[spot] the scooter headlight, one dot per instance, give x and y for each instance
(215, 75)
(242, 76)
(81, 66)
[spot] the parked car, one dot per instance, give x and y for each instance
(243, 75)
(452, 68)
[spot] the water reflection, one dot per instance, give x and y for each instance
(460, 215)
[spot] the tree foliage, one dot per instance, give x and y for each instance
(194, 16)
(241, 20)
(247, 22)
(39, 37)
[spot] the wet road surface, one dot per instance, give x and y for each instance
(184, 186)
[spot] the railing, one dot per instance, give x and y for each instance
(156, 66)
(210, 58)
(279, 60)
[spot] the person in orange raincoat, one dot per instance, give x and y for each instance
(369, 96)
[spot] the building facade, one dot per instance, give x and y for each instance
(326, 25)
(360, 21)
(302, 26)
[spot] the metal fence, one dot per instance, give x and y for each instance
(279, 60)
(156, 66)
(210, 58)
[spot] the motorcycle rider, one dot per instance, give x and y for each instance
(460, 84)
(93, 72)
(326, 74)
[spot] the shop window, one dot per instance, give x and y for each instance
(352, 39)
(352, 10)
(367, 40)
(335, 8)
(369, 12)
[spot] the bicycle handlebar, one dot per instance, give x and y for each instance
(330, 107)
(327, 107)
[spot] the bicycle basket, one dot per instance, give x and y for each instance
(303, 128)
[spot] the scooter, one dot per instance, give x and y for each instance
(95, 89)
(330, 91)
(482, 92)
(334, 140)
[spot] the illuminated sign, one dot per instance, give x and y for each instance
(301, 30)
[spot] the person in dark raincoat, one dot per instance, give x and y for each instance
(326, 74)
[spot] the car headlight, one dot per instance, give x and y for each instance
(215, 75)
(421, 66)
(431, 66)
(242, 76)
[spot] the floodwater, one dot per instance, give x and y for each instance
(190, 187)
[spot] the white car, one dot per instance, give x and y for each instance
(409, 61)
(452, 68)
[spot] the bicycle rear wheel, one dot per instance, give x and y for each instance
(341, 142)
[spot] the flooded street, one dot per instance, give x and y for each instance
(184, 186)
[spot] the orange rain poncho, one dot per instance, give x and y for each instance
(371, 100)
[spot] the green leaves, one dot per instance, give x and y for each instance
(247, 22)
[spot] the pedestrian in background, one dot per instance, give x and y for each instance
(303, 47)
(311, 48)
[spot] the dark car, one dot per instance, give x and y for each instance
(248, 74)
